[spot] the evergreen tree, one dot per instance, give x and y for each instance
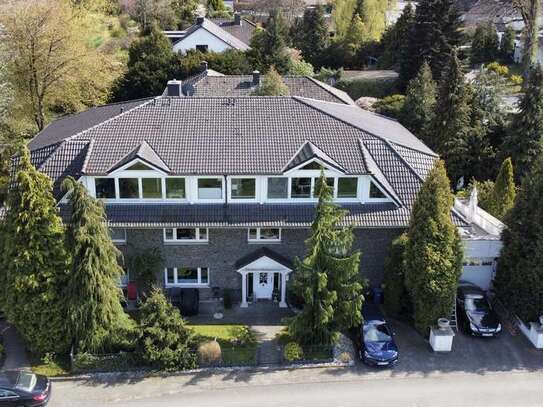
(312, 35)
(269, 46)
(451, 126)
(519, 278)
(507, 44)
(485, 43)
(523, 144)
(435, 33)
(165, 342)
(215, 5)
(433, 254)
(420, 101)
(395, 38)
(272, 85)
(503, 193)
(328, 278)
(92, 295)
(151, 63)
(34, 263)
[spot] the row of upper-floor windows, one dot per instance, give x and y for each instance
(239, 189)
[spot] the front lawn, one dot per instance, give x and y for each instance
(238, 342)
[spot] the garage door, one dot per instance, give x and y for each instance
(479, 272)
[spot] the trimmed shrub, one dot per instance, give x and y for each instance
(516, 79)
(209, 353)
(293, 352)
(378, 88)
(243, 335)
(345, 357)
(390, 106)
(117, 362)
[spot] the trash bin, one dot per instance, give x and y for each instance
(377, 295)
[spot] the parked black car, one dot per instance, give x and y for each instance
(19, 388)
(475, 314)
(378, 347)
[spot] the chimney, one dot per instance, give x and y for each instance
(473, 204)
(237, 18)
(256, 78)
(203, 66)
(199, 20)
(174, 88)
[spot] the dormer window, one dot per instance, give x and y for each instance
(278, 188)
(314, 165)
(347, 187)
(128, 188)
(210, 188)
(151, 188)
(243, 188)
(300, 188)
(375, 192)
(175, 188)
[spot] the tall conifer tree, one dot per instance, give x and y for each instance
(328, 278)
(93, 297)
(502, 197)
(420, 101)
(451, 125)
(312, 35)
(523, 144)
(519, 279)
(435, 33)
(433, 254)
(34, 264)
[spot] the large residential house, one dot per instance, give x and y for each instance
(216, 35)
(212, 83)
(224, 187)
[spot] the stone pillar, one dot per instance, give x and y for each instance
(283, 302)
(244, 290)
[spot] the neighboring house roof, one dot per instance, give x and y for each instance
(224, 33)
(208, 83)
(263, 252)
(243, 30)
(246, 135)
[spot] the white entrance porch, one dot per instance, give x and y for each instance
(264, 278)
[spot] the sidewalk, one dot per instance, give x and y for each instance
(15, 350)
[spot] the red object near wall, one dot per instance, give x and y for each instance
(132, 292)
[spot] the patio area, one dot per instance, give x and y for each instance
(265, 313)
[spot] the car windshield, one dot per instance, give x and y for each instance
(26, 381)
(479, 305)
(376, 332)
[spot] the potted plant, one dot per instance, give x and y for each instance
(275, 295)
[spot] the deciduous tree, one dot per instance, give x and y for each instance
(433, 254)
(50, 59)
(92, 294)
(272, 85)
(529, 10)
(34, 263)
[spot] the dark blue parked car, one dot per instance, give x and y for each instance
(377, 340)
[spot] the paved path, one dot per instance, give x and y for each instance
(15, 350)
(268, 351)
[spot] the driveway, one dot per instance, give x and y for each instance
(501, 372)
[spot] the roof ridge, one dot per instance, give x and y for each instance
(87, 156)
(58, 145)
(329, 88)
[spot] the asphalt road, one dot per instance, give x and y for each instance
(507, 389)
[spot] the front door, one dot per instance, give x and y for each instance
(263, 285)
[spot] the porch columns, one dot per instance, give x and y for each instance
(244, 290)
(283, 302)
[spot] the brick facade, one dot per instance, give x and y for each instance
(226, 246)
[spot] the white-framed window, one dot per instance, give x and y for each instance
(210, 188)
(347, 187)
(243, 188)
(376, 192)
(186, 235)
(125, 278)
(104, 188)
(118, 235)
(277, 187)
(175, 188)
(186, 276)
(263, 235)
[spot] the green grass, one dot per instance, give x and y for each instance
(238, 343)
(50, 367)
